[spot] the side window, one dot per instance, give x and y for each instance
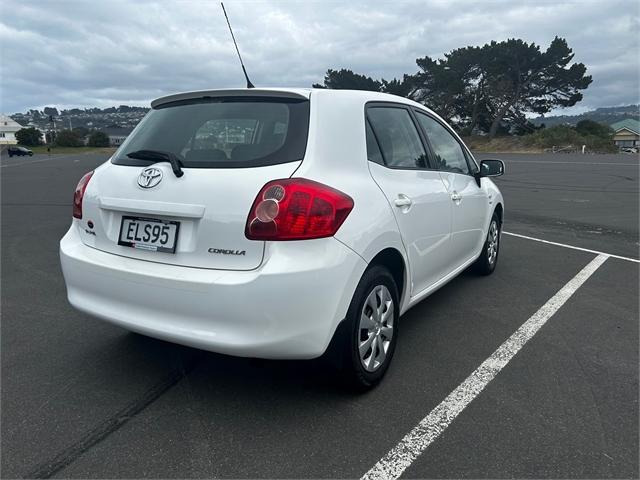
(397, 136)
(448, 153)
(373, 149)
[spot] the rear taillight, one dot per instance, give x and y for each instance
(78, 195)
(297, 209)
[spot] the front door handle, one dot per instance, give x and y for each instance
(456, 197)
(402, 201)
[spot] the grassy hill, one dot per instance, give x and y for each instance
(606, 115)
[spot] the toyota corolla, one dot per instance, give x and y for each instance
(281, 223)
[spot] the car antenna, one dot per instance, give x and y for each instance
(249, 84)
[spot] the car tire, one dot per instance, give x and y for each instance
(374, 330)
(488, 259)
(31, 154)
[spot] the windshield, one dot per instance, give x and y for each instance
(233, 132)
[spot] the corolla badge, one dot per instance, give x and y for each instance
(150, 177)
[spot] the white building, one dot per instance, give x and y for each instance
(117, 135)
(8, 129)
(627, 133)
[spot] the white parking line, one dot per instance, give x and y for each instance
(396, 461)
(574, 163)
(597, 252)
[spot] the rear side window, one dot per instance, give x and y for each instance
(446, 149)
(397, 136)
(229, 132)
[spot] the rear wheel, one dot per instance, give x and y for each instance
(370, 332)
(488, 259)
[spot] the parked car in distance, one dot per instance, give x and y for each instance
(281, 223)
(19, 151)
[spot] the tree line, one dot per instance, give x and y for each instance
(64, 138)
(487, 89)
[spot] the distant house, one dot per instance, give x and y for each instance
(117, 135)
(627, 133)
(8, 129)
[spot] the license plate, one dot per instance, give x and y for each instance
(149, 234)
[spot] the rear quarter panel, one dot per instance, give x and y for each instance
(336, 156)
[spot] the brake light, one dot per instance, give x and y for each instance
(78, 195)
(297, 209)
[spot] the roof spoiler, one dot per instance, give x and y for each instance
(240, 92)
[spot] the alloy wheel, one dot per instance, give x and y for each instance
(375, 329)
(493, 238)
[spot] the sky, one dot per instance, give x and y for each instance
(109, 52)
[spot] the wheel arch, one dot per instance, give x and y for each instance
(499, 210)
(392, 259)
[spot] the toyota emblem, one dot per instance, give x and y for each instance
(150, 177)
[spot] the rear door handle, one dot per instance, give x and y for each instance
(402, 201)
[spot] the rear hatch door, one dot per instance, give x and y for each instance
(229, 148)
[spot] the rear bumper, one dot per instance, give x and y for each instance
(287, 308)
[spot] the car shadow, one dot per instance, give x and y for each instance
(239, 373)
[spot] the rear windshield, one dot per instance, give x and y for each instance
(227, 132)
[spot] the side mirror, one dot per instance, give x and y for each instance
(491, 168)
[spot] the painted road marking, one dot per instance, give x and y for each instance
(596, 252)
(396, 461)
(573, 163)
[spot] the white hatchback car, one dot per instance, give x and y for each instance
(279, 223)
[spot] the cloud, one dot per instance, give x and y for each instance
(78, 53)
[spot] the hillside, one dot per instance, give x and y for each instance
(606, 115)
(91, 118)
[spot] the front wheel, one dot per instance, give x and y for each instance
(371, 329)
(488, 259)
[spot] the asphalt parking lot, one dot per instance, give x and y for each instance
(81, 398)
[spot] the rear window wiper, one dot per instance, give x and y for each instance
(160, 156)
